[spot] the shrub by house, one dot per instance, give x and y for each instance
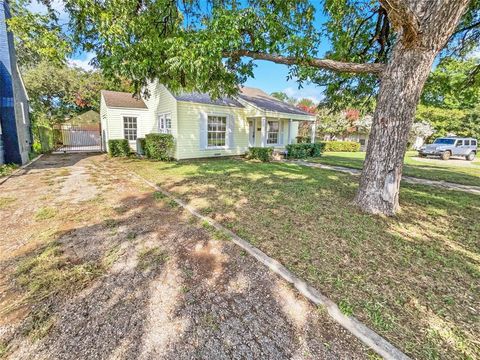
(159, 146)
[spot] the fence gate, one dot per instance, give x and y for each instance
(77, 138)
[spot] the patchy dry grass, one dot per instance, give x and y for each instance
(456, 171)
(45, 213)
(7, 169)
(5, 201)
(414, 278)
(151, 257)
(50, 272)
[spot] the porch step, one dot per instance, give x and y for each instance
(278, 154)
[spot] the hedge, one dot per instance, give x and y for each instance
(159, 146)
(345, 146)
(302, 151)
(260, 153)
(42, 139)
(303, 139)
(118, 147)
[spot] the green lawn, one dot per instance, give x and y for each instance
(455, 170)
(414, 278)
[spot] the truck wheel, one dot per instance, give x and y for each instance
(421, 155)
(471, 156)
(446, 155)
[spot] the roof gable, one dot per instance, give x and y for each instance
(122, 100)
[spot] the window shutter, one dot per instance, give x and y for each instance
(281, 132)
(230, 131)
(203, 131)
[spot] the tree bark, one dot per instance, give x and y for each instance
(400, 89)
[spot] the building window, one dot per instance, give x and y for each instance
(130, 128)
(165, 123)
(273, 132)
(216, 131)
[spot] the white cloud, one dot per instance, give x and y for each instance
(83, 63)
(311, 93)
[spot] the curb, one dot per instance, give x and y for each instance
(369, 337)
(20, 169)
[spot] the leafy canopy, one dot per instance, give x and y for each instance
(58, 92)
(38, 37)
(208, 46)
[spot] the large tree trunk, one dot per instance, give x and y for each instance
(424, 27)
(400, 89)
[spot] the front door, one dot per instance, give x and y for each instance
(251, 133)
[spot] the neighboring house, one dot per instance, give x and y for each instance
(202, 127)
(15, 130)
(89, 119)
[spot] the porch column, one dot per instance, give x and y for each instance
(314, 130)
(264, 131)
(290, 122)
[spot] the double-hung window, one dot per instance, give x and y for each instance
(165, 123)
(273, 131)
(216, 131)
(130, 128)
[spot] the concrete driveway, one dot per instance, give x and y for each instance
(94, 265)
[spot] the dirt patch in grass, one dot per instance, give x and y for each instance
(414, 278)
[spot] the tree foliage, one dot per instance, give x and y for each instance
(454, 84)
(460, 122)
(38, 37)
(58, 91)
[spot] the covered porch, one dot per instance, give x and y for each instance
(276, 132)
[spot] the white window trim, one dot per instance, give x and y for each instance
(279, 133)
(22, 108)
(123, 126)
(226, 132)
(164, 130)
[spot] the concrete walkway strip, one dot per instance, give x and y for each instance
(408, 179)
(20, 169)
(369, 337)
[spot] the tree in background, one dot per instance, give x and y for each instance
(58, 92)
(451, 98)
(280, 95)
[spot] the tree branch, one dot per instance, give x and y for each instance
(402, 18)
(333, 65)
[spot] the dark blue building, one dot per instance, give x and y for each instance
(15, 129)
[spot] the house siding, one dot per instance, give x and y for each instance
(188, 132)
(14, 120)
(112, 122)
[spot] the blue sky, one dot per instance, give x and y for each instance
(268, 76)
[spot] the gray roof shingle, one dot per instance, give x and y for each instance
(206, 99)
(266, 102)
(122, 99)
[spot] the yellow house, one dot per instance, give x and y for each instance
(202, 127)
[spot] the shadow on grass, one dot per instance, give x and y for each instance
(424, 171)
(165, 290)
(397, 274)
